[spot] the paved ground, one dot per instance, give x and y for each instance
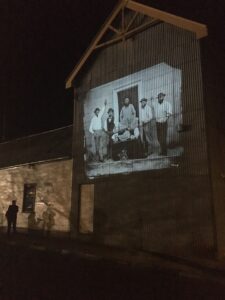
(37, 268)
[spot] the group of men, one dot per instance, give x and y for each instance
(129, 127)
(160, 111)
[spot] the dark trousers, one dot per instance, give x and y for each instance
(161, 135)
(146, 137)
(11, 224)
(110, 144)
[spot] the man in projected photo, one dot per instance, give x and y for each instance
(96, 130)
(162, 110)
(127, 113)
(145, 126)
(109, 129)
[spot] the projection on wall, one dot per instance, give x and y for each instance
(132, 124)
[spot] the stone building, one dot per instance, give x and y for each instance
(37, 171)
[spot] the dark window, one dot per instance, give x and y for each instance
(29, 197)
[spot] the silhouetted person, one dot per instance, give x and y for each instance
(11, 216)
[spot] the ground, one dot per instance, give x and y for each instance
(37, 269)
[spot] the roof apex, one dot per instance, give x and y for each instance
(199, 29)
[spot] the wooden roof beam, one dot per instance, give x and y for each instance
(129, 33)
(95, 41)
(132, 21)
(198, 28)
(159, 16)
(114, 29)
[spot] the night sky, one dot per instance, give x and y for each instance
(42, 40)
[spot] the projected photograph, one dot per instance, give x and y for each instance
(132, 124)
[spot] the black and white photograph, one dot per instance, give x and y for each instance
(132, 124)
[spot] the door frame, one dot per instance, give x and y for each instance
(120, 88)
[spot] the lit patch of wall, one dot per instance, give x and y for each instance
(86, 208)
(53, 193)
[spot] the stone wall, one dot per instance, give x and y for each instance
(53, 193)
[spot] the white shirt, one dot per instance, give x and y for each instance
(145, 114)
(162, 111)
(127, 113)
(96, 121)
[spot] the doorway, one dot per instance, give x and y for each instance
(132, 94)
(133, 91)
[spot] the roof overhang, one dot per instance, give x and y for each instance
(199, 29)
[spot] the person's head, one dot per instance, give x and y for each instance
(96, 111)
(126, 101)
(143, 102)
(13, 202)
(161, 97)
(110, 112)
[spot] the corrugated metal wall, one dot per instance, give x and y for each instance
(168, 210)
(162, 44)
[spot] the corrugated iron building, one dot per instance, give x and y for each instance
(170, 203)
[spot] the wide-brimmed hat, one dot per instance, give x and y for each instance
(110, 109)
(161, 94)
(143, 100)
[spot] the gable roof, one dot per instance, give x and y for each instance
(46, 146)
(157, 15)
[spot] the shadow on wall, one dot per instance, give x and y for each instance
(3, 222)
(43, 225)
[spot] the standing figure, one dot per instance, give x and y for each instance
(109, 128)
(127, 113)
(96, 130)
(48, 217)
(145, 126)
(33, 222)
(11, 216)
(163, 111)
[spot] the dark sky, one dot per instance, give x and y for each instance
(41, 41)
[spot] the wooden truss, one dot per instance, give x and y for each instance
(122, 30)
(126, 31)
